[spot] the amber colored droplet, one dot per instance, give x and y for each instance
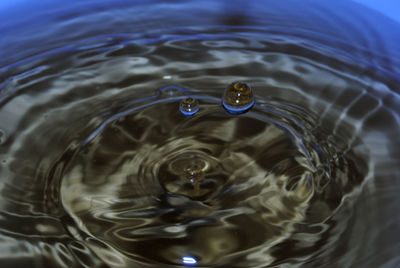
(238, 98)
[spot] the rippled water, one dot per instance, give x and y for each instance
(105, 164)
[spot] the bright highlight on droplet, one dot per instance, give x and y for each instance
(189, 261)
(189, 106)
(238, 98)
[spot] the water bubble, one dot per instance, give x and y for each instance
(189, 106)
(238, 98)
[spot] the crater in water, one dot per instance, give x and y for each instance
(252, 137)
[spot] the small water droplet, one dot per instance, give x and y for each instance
(172, 91)
(238, 98)
(189, 106)
(195, 175)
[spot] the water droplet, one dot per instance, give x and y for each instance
(172, 91)
(194, 174)
(189, 106)
(238, 98)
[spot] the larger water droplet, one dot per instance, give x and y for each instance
(238, 98)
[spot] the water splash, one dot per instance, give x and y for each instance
(124, 201)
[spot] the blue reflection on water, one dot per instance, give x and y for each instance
(189, 261)
(389, 8)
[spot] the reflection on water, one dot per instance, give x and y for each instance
(126, 142)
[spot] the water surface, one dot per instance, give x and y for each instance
(100, 167)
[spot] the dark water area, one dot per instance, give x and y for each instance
(122, 145)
